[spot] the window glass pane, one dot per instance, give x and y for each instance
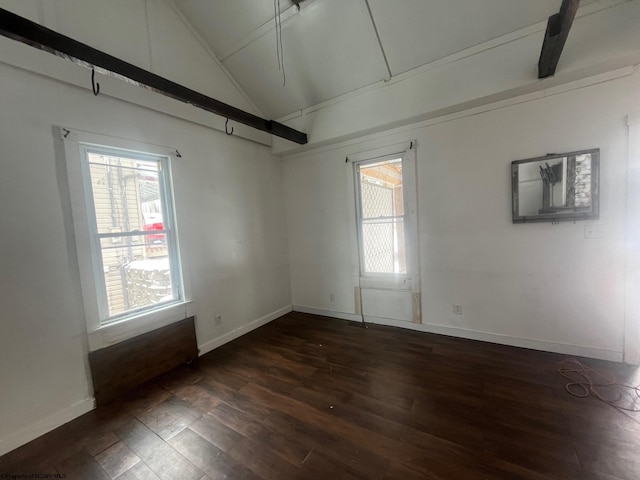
(137, 272)
(381, 189)
(136, 263)
(383, 246)
(382, 210)
(126, 194)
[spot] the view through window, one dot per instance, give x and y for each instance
(382, 217)
(135, 246)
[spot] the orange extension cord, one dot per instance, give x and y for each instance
(586, 381)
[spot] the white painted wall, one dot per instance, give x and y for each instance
(229, 202)
(533, 285)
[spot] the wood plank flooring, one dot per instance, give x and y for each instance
(308, 397)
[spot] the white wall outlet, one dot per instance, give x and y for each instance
(332, 297)
(593, 230)
(457, 309)
(217, 320)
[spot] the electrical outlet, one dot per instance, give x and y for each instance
(217, 320)
(593, 230)
(332, 298)
(457, 309)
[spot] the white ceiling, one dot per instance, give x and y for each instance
(331, 47)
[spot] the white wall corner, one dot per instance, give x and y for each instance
(244, 329)
(35, 430)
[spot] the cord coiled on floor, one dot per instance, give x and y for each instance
(585, 381)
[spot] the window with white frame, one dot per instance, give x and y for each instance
(382, 214)
(381, 203)
(132, 226)
(385, 223)
(125, 231)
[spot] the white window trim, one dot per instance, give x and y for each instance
(121, 328)
(409, 281)
(631, 347)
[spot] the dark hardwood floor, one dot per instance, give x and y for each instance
(308, 397)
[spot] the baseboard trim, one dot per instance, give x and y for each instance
(238, 332)
(554, 347)
(39, 428)
(327, 313)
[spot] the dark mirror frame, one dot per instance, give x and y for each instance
(592, 214)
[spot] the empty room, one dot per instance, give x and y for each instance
(309, 239)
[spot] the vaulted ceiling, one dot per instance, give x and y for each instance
(333, 47)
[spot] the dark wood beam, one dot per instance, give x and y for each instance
(23, 30)
(555, 37)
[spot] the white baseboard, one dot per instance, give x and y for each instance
(563, 348)
(238, 332)
(39, 428)
(327, 313)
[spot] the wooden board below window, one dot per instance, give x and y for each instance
(119, 368)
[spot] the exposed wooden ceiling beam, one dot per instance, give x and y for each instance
(555, 37)
(23, 30)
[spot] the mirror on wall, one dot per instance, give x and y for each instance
(556, 187)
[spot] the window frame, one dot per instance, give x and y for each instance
(361, 219)
(102, 329)
(409, 279)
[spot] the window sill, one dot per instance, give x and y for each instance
(116, 332)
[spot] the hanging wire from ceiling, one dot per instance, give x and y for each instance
(277, 15)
